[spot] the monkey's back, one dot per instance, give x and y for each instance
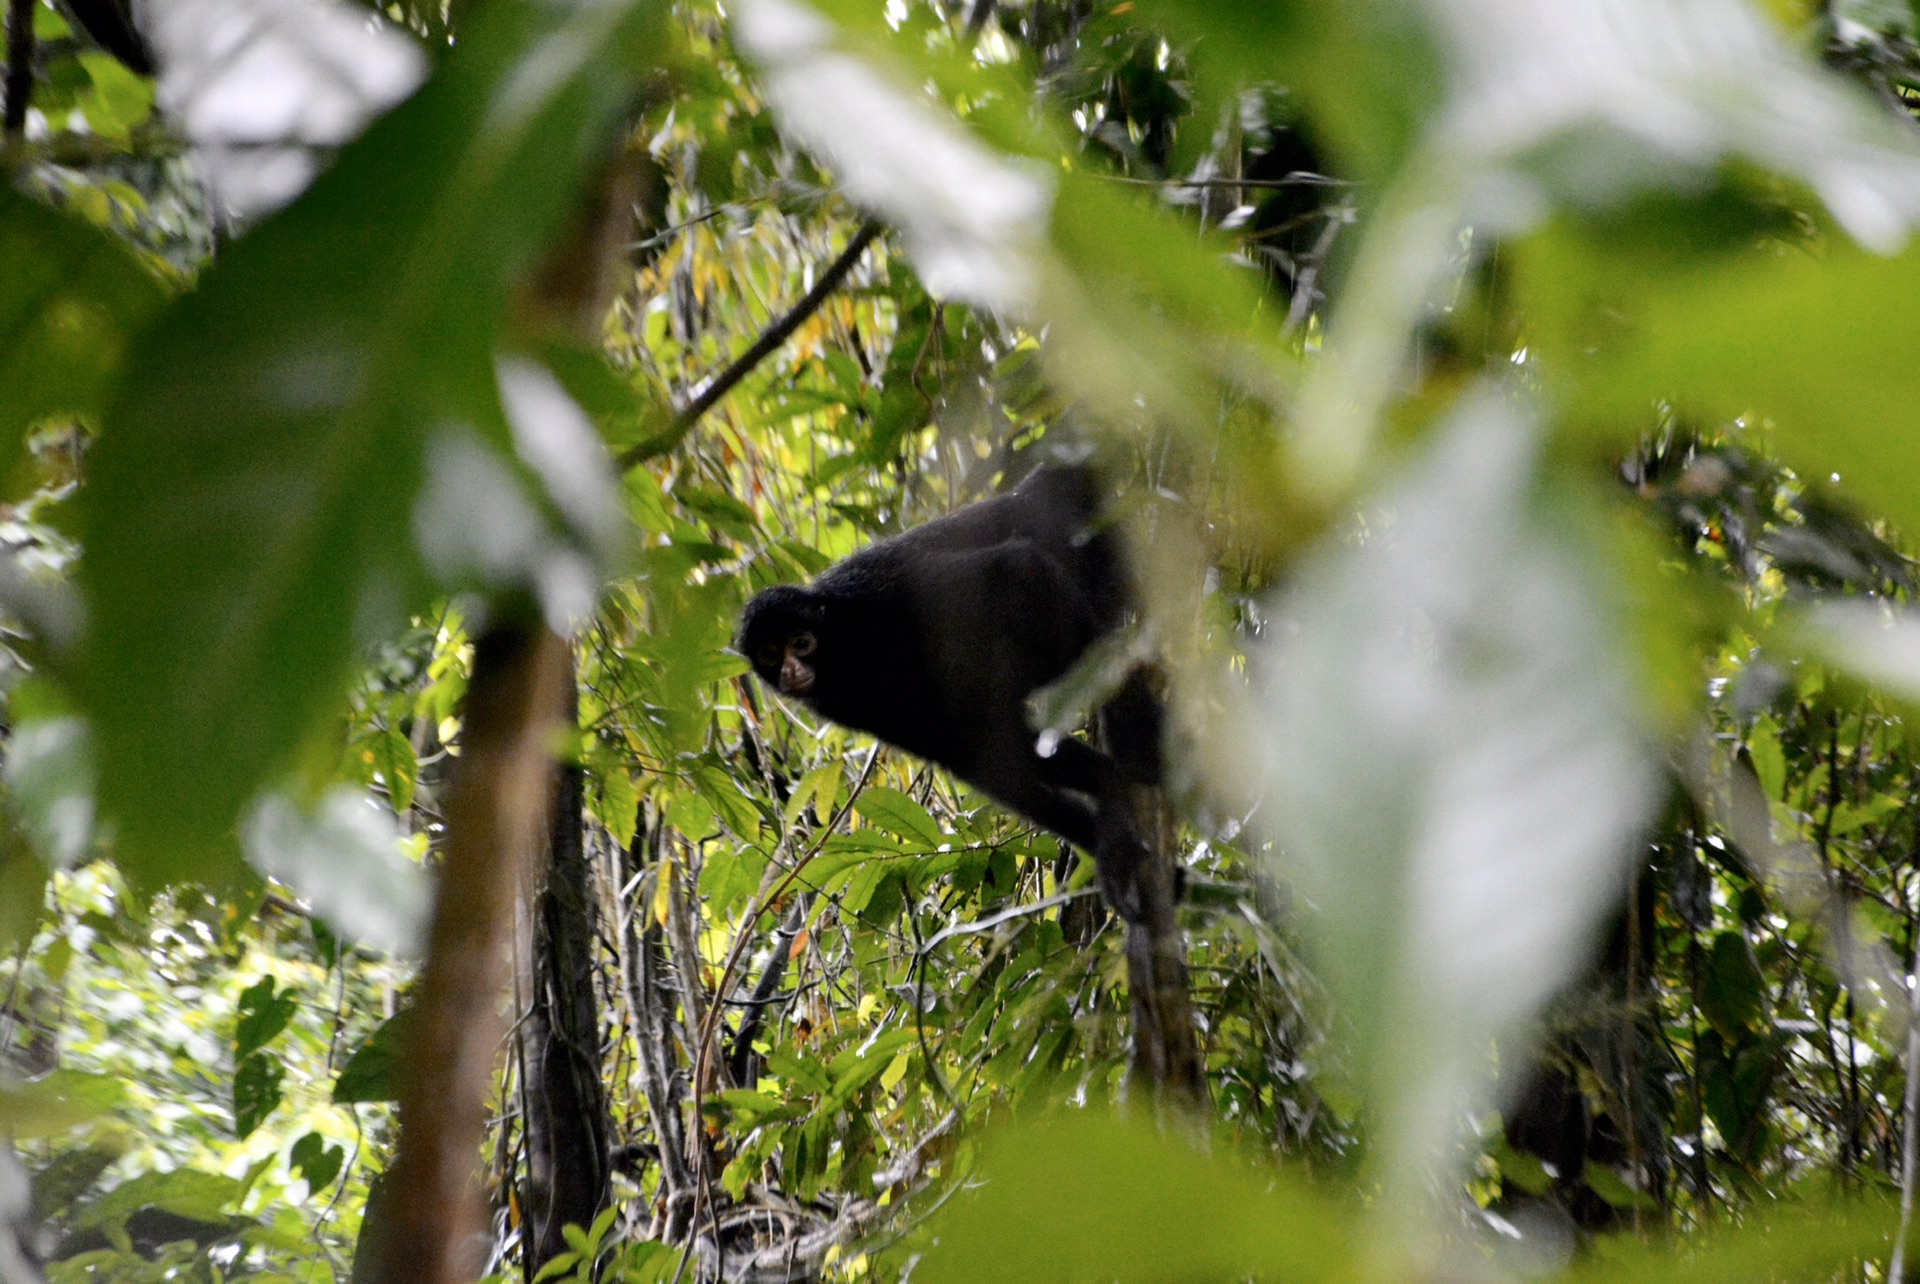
(1004, 596)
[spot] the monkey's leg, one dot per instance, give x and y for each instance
(1132, 726)
(1116, 848)
(1033, 797)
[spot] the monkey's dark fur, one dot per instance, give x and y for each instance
(933, 639)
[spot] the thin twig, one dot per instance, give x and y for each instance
(992, 921)
(1298, 178)
(765, 346)
(1309, 275)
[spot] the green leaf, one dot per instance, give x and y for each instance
(185, 1192)
(120, 100)
(719, 510)
(316, 1162)
(55, 1102)
(615, 801)
(1611, 1187)
(398, 765)
(371, 1073)
(693, 816)
(898, 814)
(189, 1192)
(1769, 762)
(858, 1066)
(70, 300)
(49, 25)
(1821, 347)
(263, 1015)
(1733, 994)
(1522, 1170)
(256, 1091)
(559, 1264)
(252, 497)
(1812, 1242)
(1087, 1198)
(23, 887)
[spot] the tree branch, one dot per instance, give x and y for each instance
(741, 1058)
(765, 346)
(1166, 1055)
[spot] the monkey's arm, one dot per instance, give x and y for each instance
(110, 23)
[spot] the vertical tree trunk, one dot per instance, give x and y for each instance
(568, 1130)
(1166, 1055)
(565, 1102)
(496, 812)
(643, 949)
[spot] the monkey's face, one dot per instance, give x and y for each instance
(780, 637)
(785, 665)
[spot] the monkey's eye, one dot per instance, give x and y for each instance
(802, 645)
(770, 657)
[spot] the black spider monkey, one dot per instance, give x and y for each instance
(933, 639)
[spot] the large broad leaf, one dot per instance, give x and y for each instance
(974, 220)
(344, 858)
(371, 1073)
(1584, 104)
(70, 299)
(252, 498)
(1595, 98)
(1823, 348)
(1087, 1198)
(1794, 1235)
(261, 87)
(1457, 772)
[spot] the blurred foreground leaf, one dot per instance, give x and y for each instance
(55, 1102)
(1085, 1197)
(1822, 348)
(1457, 754)
(1817, 1240)
(70, 299)
(344, 859)
(252, 498)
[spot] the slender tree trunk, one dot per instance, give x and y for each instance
(644, 954)
(565, 1102)
(568, 1130)
(496, 812)
(1166, 1054)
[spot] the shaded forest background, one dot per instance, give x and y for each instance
(1510, 406)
